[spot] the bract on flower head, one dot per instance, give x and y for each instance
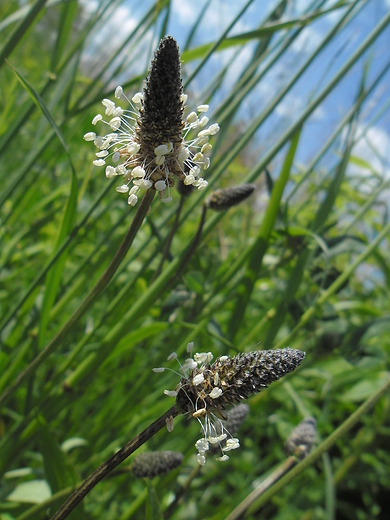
(206, 390)
(151, 143)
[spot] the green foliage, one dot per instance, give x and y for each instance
(303, 263)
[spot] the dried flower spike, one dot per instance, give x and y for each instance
(149, 142)
(153, 463)
(221, 200)
(205, 390)
(302, 438)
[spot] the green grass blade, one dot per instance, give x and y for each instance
(20, 30)
(261, 244)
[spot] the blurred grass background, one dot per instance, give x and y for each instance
(303, 263)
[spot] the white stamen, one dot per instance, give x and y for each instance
(232, 444)
(99, 162)
(116, 156)
(161, 150)
(190, 179)
(198, 157)
(172, 356)
(192, 117)
(108, 103)
(202, 445)
(89, 136)
(223, 458)
(118, 112)
(137, 98)
(201, 459)
(115, 123)
(202, 108)
(118, 92)
(203, 357)
(184, 154)
(207, 147)
(189, 364)
(198, 379)
(160, 185)
(158, 370)
(122, 189)
(138, 172)
(195, 171)
(170, 393)
(96, 119)
(132, 200)
(199, 413)
(183, 98)
(215, 393)
(133, 148)
(120, 170)
(110, 172)
(98, 141)
(146, 184)
(103, 153)
(214, 129)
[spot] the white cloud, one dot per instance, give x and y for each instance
(186, 11)
(290, 106)
(307, 40)
(374, 148)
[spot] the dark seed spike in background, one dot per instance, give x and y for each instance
(152, 463)
(221, 200)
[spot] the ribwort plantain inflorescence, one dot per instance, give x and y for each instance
(151, 144)
(206, 390)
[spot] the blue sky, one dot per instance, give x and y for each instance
(374, 147)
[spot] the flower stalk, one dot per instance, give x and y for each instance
(102, 471)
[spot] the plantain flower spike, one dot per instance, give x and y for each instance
(205, 390)
(302, 438)
(152, 463)
(152, 144)
(223, 199)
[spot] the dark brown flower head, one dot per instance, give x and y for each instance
(153, 463)
(231, 380)
(206, 390)
(302, 438)
(221, 200)
(161, 112)
(150, 141)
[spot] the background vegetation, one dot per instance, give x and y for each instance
(303, 263)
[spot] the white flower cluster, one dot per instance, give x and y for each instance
(193, 381)
(140, 170)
